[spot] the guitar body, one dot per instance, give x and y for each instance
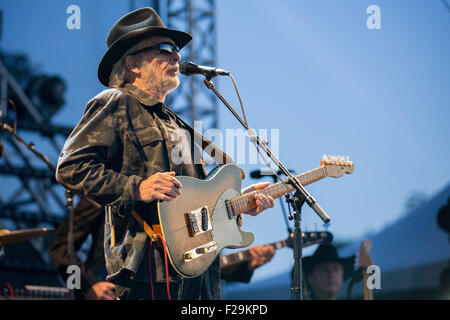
(193, 246)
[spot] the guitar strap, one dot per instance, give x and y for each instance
(219, 156)
(150, 232)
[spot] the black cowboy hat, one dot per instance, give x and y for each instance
(328, 253)
(131, 29)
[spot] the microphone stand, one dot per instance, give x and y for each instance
(297, 281)
(301, 191)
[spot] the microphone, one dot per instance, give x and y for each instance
(258, 174)
(188, 68)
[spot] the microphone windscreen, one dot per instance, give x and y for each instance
(255, 174)
(187, 68)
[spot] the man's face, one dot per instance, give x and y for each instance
(327, 278)
(157, 71)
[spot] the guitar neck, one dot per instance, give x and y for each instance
(245, 202)
(241, 256)
(368, 293)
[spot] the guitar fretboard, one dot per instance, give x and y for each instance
(245, 202)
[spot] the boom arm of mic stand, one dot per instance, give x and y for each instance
(255, 139)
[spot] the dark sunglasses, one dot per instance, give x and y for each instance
(163, 47)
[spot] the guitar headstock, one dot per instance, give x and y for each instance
(336, 166)
(310, 238)
(364, 256)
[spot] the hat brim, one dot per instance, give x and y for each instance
(121, 45)
(309, 263)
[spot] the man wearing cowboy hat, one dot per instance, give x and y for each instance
(121, 155)
(326, 272)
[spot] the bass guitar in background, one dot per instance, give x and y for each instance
(308, 239)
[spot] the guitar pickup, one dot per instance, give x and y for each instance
(200, 221)
(229, 209)
(199, 251)
(205, 219)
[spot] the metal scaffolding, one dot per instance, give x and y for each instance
(34, 198)
(36, 188)
(192, 100)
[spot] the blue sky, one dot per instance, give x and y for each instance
(311, 69)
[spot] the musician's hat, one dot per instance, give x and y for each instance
(328, 253)
(131, 29)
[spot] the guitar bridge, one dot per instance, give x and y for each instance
(199, 221)
(199, 251)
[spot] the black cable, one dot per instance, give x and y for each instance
(239, 97)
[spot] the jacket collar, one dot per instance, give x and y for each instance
(140, 95)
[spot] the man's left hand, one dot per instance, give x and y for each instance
(262, 202)
(260, 255)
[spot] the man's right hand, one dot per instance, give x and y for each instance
(160, 186)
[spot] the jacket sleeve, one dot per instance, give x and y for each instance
(86, 218)
(236, 272)
(87, 162)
